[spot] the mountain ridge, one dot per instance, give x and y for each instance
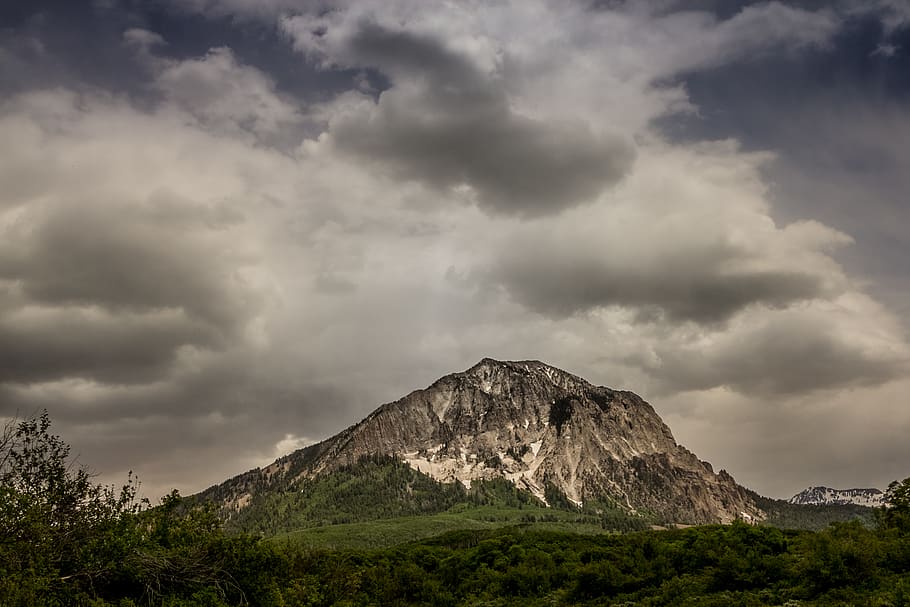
(533, 424)
(821, 495)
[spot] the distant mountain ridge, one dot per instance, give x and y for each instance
(539, 427)
(817, 496)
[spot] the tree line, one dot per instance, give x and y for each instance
(65, 540)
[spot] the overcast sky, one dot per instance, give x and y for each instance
(230, 228)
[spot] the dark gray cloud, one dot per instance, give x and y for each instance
(721, 8)
(448, 123)
(39, 346)
(134, 258)
(191, 427)
(693, 285)
(108, 274)
(845, 163)
(644, 255)
(779, 357)
(112, 293)
(64, 43)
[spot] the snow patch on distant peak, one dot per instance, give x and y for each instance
(872, 498)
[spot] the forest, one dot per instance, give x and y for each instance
(65, 540)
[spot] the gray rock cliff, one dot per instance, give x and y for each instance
(536, 426)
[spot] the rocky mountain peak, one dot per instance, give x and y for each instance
(820, 495)
(541, 428)
(495, 376)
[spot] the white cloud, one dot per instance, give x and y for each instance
(226, 97)
(143, 40)
(894, 14)
(820, 345)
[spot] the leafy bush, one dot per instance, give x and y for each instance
(896, 514)
(67, 541)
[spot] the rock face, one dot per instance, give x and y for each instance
(537, 426)
(815, 496)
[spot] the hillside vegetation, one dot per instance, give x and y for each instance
(380, 488)
(380, 501)
(67, 541)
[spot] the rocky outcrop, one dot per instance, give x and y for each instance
(536, 426)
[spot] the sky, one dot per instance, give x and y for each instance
(232, 228)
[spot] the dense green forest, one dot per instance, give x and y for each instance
(67, 541)
(381, 488)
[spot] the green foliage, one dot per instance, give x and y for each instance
(58, 530)
(67, 541)
(556, 498)
(785, 515)
(390, 532)
(847, 563)
(373, 488)
(387, 501)
(738, 564)
(896, 515)
(500, 492)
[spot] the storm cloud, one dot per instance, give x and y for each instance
(448, 123)
(259, 221)
(690, 249)
(784, 355)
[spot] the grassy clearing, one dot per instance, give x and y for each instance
(390, 532)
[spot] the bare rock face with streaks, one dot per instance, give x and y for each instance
(536, 426)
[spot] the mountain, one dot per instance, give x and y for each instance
(873, 498)
(551, 434)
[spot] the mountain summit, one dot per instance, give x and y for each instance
(817, 496)
(541, 428)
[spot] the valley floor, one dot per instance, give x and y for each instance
(848, 564)
(191, 565)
